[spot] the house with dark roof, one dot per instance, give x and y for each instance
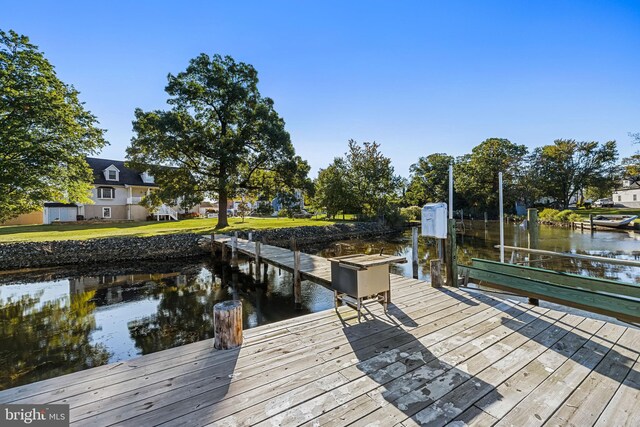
(117, 192)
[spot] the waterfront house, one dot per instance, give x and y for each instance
(628, 195)
(116, 194)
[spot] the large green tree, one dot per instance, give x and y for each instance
(361, 182)
(476, 174)
(631, 164)
(45, 132)
(564, 169)
(429, 179)
(371, 178)
(332, 191)
(221, 131)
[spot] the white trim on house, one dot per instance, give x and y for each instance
(116, 173)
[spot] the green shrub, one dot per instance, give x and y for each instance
(564, 215)
(574, 217)
(411, 213)
(548, 214)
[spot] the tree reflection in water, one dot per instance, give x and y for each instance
(184, 315)
(40, 340)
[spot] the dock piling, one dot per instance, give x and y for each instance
(297, 282)
(414, 251)
(436, 273)
(227, 325)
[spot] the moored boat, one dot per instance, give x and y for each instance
(613, 221)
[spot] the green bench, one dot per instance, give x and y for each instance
(608, 297)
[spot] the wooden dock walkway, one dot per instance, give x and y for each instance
(438, 357)
(312, 267)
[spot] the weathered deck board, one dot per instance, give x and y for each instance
(438, 356)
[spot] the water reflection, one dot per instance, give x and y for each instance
(42, 339)
(52, 327)
(479, 241)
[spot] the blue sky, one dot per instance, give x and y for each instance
(418, 77)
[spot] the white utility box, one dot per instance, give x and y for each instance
(434, 220)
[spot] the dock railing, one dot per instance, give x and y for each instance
(603, 296)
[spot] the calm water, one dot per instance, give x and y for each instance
(59, 321)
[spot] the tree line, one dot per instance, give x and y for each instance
(222, 138)
(551, 175)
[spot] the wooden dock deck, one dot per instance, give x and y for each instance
(312, 267)
(438, 357)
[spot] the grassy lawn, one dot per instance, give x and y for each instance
(34, 233)
(608, 211)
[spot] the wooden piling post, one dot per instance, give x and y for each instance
(234, 246)
(224, 251)
(234, 250)
(452, 254)
(435, 266)
(227, 325)
(265, 272)
(591, 222)
(414, 251)
(257, 261)
(532, 230)
(213, 243)
(297, 282)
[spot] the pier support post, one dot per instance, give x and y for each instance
(224, 251)
(452, 254)
(227, 325)
(297, 282)
(414, 251)
(591, 223)
(532, 229)
(234, 250)
(265, 272)
(213, 244)
(257, 261)
(436, 273)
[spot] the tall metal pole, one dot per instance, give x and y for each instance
(501, 218)
(450, 191)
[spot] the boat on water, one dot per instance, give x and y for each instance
(613, 221)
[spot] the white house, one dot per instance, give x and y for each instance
(116, 194)
(627, 196)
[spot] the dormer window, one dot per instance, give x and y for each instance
(112, 173)
(146, 178)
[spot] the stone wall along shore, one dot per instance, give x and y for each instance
(98, 251)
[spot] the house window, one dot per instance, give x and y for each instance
(146, 178)
(635, 197)
(106, 192)
(106, 212)
(113, 175)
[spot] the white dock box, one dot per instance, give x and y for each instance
(434, 220)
